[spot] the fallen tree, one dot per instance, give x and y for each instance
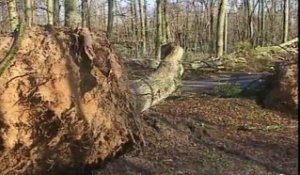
(164, 81)
(282, 87)
(67, 104)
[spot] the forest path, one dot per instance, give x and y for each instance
(209, 83)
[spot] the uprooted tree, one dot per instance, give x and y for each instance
(66, 103)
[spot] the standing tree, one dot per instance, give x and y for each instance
(110, 23)
(286, 20)
(250, 21)
(158, 40)
(71, 13)
(221, 26)
(262, 22)
(143, 25)
(56, 12)
(85, 12)
(50, 10)
(28, 11)
(13, 14)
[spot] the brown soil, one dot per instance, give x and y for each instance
(205, 135)
(59, 112)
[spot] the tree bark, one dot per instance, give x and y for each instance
(28, 11)
(110, 23)
(163, 82)
(143, 25)
(13, 14)
(211, 33)
(158, 39)
(286, 21)
(226, 33)
(84, 12)
(220, 27)
(50, 10)
(250, 22)
(71, 13)
(56, 12)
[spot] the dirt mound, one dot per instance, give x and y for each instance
(284, 86)
(58, 111)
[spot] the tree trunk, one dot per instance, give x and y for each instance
(50, 10)
(143, 26)
(250, 22)
(71, 13)
(28, 11)
(158, 41)
(33, 16)
(262, 23)
(110, 23)
(226, 33)
(13, 14)
(84, 12)
(56, 12)
(285, 20)
(163, 82)
(211, 33)
(166, 28)
(221, 26)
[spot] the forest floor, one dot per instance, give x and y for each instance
(196, 134)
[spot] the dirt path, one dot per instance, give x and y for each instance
(206, 84)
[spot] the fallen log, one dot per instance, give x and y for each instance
(164, 81)
(290, 42)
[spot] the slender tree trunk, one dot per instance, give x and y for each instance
(146, 23)
(13, 14)
(56, 12)
(133, 16)
(262, 23)
(110, 23)
(33, 7)
(250, 22)
(84, 12)
(158, 33)
(166, 28)
(285, 21)
(50, 10)
(143, 29)
(28, 11)
(71, 13)
(225, 33)
(221, 26)
(211, 38)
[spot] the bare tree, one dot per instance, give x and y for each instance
(50, 10)
(285, 20)
(28, 11)
(13, 14)
(71, 13)
(158, 40)
(221, 26)
(56, 12)
(111, 10)
(143, 25)
(85, 13)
